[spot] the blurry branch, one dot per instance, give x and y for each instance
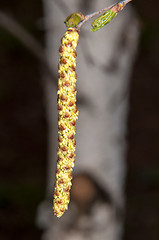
(14, 28)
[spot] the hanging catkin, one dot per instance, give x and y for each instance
(67, 116)
(67, 110)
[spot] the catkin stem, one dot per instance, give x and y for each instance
(67, 116)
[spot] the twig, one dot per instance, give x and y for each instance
(89, 16)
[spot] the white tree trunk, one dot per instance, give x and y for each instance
(104, 64)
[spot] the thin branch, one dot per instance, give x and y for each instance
(14, 28)
(89, 16)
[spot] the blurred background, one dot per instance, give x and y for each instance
(23, 127)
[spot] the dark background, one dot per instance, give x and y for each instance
(23, 128)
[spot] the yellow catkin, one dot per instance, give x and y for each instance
(67, 116)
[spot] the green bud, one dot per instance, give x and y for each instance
(105, 18)
(74, 19)
(102, 20)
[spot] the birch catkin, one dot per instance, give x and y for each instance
(67, 110)
(67, 115)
